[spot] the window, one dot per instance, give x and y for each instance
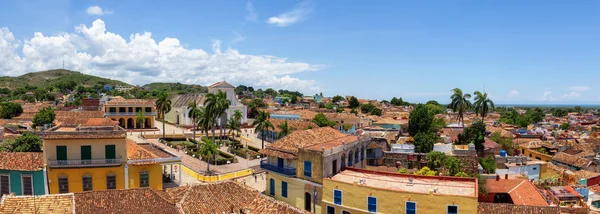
(86, 154)
(61, 154)
(144, 182)
(534, 168)
(138, 109)
(110, 152)
(452, 209)
(87, 183)
(111, 182)
(411, 207)
(337, 197)
(307, 169)
(346, 212)
(130, 109)
(63, 184)
(122, 109)
(112, 109)
(148, 109)
(4, 185)
(356, 156)
(272, 187)
(330, 210)
(334, 167)
(284, 189)
(27, 184)
(372, 204)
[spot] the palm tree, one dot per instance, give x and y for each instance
(139, 118)
(284, 129)
(234, 126)
(208, 149)
(237, 115)
(261, 125)
(460, 104)
(193, 113)
(216, 104)
(204, 120)
(482, 104)
(163, 106)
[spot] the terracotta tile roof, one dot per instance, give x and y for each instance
(76, 117)
(21, 161)
(489, 144)
(34, 107)
(92, 128)
(185, 99)
(26, 116)
(584, 174)
(142, 200)
(135, 152)
(159, 153)
(492, 208)
(571, 160)
(222, 84)
(227, 197)
(522, 192)
(595, 188)
(294, 125)
(302, 139)
(333, 143)
(503, 132)
(138, 102)
(50, 204)
(391, 121)
(100, 122)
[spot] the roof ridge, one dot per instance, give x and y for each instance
(518, 185)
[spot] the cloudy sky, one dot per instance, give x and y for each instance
(520, 52)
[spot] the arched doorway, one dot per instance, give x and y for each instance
(122, 122)
(130, 123)
(148, 123)
(177, 117)
(350, 156)
(307, 201)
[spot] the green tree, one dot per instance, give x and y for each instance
(337, 98)
(234, 126)
(207, 150)
(194, 113)
(506, 143)
(403, 170)
(163, 106)
(398, 102)
(564, 126)
(482, 104)
(426, 171)
(460, 104)
(354, 111)
(376, 111)
(237, 115)
(10, 110)
(139, 118)
(353, 102)
(366, 108)
(453, 164)
(424, 141)
(284, 129)
(261, 125)
(28, 142)
(216, 104)
(435, 159)
(461, 174)
(321, 120)
(44, 116)
(420, 120)
(473, 134)
(488, 164)
(329, 105)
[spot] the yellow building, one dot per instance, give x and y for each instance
(125, 111)
(365, 191)
(94, 156)
(297, 164)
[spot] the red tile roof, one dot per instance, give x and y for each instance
(47, 204)
(571, 160)
(522, 192)
(143, 200)
(21, 161)
(302, 139)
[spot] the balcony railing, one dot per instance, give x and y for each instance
(289, 171)
(128, 113)
(84, 163)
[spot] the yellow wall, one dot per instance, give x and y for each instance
(75, 178)
(154, 176)
(354, 200)
(296, 190)
(316, 159)
(74, 148)
(535, 155)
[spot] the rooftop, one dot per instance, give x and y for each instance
(142, 200)
(50, 204)
(522, 192)
(294, 125)
(90, 128)
(21, 161)
(571, 160)
(402, 182)
(138, 102)
(76, 117)
(287, 147)
(222, 84)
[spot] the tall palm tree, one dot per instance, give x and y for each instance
(261, 125)
(139, 118)
(237, 115)
(163, 106)
(208, 149)
(215, 105)
(460, 104)
(193, 113)
(482, 104)
(224, 106)
(234, 126)
(204, 120)
(284, 129)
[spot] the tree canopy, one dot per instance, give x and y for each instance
(337, 98)
(398, 102)
(44, 116)
(321, 120)
(423, 129)
(353, 102)
(28, 142)
(10, 110)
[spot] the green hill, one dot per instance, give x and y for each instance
(51, 77)
(175, 88)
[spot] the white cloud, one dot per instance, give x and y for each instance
(97, 10)
(548, 96)
(140, 59)
(297, 14)
(572, 95)
(513, 93)
(579, 88)
(238, 37)
(252, 16)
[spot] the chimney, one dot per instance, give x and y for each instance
(506, 176)
(497, 177)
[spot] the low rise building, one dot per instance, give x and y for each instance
(366, 191)
(22, 173)
(512, 191)
(125, 112)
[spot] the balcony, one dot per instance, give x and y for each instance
(128, 114)
(84, 163)
(289, 171)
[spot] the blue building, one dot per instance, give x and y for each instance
(108, 87)
(22, 173)
(285, 116)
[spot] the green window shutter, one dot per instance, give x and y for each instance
(110, 152)
(86, 152)
(61, 152)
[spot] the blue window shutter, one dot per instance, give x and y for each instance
(307, 169)
(372, 204)
(284, 189)
(337, 197)
(411, 207)
(272, 186)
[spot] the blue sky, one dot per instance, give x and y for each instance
(525, 52)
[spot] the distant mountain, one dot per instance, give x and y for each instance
(176, 88)
(51, 77)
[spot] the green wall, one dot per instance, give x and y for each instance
(15, 181)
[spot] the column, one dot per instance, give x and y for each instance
(126, 176)
(180, 169)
